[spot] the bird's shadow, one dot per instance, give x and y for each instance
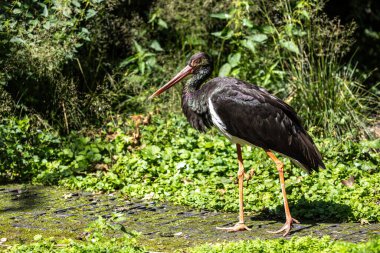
(308, 211)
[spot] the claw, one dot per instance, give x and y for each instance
(287, 227)
(236, 228)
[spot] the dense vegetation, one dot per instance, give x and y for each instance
(74, 74)
(73, 63)
(167, 160)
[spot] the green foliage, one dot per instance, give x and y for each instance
(295, 244)
(76, 62)
(293, 49)
(46, 157)
(38, 39)
(178, 164)
(175, 163)
(110, 235)
(100, 237)
(23, 151)
(86, 154)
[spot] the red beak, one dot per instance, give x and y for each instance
(182, 74)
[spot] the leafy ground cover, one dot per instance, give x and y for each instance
(98, 239)
(296, 244)
(305, 244)
(168, 160)
(176, 163)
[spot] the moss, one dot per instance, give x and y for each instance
(27, 211)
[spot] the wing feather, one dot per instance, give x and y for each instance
(254, 115)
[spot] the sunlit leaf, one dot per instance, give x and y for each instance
(47, 25)
(222, 15)
(268, 29)
(141, 67)
(247, 23)
(234, 59)
(37, 237)
(290, 45)
(17, 40)
(162, 23)
(66, 12)
(45, 12)
(304, 14)
(75, 3)
(90, 13)
(225, 34)
(156, 46)
(138, 48)
(225, 70)
(17, 11)
(249, 44)
(259, 38)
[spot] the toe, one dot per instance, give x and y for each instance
(236, 228)
(287, 230)
(278, 231)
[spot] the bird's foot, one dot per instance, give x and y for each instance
(287, 227)
(237, 227)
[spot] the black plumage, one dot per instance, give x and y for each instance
(252, 114)
(246, 114)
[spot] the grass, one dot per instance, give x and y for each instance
(296, 244)
(96, 242)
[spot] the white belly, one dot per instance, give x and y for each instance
(222, 127)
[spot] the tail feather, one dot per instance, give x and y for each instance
(308, 154)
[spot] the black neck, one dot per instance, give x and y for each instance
(199, 77)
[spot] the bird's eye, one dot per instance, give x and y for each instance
(196, 62)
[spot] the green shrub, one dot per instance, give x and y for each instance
(75, 62)
(23, 150)
(38, 40)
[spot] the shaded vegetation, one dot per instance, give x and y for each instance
(366, 16)
(73, 63)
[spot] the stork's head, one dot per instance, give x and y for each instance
(199, 60)
(198, 64)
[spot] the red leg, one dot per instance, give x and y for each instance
(289, 220)
(240, 226)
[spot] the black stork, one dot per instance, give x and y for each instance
(245, 114)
